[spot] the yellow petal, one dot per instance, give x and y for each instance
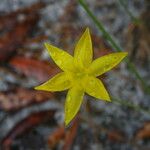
(95, 88)
(105, 63)
(83, 51)
(61, 58)
(73, 103)
(59, 82)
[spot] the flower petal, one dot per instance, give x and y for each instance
(95, 88)
(60, 82)
(105, 63)
(73, 103)
(83, 53)
(61, 58)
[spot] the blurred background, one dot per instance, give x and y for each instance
(34, 120)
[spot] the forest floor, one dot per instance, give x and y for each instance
(34, 120)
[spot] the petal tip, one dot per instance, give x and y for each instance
(125, 54)
(37, 88)
(46, 44)
(87, 30)
(67, 122)
(121, 53)
(41, 87)
(108, 100)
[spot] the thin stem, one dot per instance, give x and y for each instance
(100, 26)
(114, 44)
(131, 105)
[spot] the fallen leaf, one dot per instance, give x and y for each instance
(71, 134)
(21, 97)
(13, 119)
(19, 25)
(115, 136)
(144, 132)
(24, 126)
(66, 135)
(9, 20)
(41, 70)
(56, 136)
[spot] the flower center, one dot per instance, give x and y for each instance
(79, 75)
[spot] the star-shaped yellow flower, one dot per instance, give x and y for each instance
(79, 74)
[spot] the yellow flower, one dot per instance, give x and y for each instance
(79, 74)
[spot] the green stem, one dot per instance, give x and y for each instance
(114, 44)
(128, 104)
(100, 26)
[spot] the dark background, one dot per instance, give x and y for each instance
(34, 120)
